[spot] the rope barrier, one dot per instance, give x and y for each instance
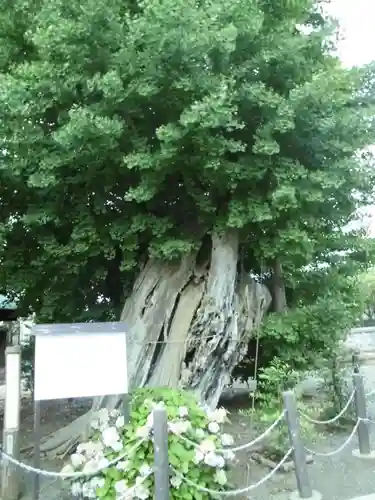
(370, 394)
(331, 420)
(239, 491)
(68, 475)
(242, 446)
(77, 475)
(166, 341)
(338, 450)
(82, 474)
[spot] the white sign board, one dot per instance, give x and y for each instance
(12, 387)
(80, 362)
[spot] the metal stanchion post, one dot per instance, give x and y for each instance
(304, 489)
(161, 454)
(355, 361)
(364, 448)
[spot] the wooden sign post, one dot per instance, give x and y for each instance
(10, 475)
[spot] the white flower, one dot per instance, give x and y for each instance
(91, 466)
(120, 422)
(90, 449)
(77, 460)
(95, 424)
(227, 440)
(121, 486)
(123, 465)
(88, 491)
(176, 481)
(220, 477)
(198, 457)
(211, 459)
(103, 463)
(128, 495)
(140, 490)
(95, 448)
(97, 482)
(67, 469)
(200, 433)
(229, 455)
(205, 408)
(117, 446)
(214, 460)
(207, 446)
(81, 448)
(183, 412)
(145, 470)
(150, 421)
(110, 436)
(76, 489)
(103, 415)
(213, 427)
(179, 427)
(219, 415)
(114, 413)
(142, 432)
(101, 420)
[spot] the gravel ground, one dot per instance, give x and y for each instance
(341, 477)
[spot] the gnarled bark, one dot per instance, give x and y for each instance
(188, 326)
(278, 288)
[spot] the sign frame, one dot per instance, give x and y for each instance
(43, 332)
(79, 360)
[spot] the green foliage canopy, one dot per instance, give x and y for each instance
(135, 128)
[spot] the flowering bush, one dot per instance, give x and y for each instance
(273, 380)
(196, 450)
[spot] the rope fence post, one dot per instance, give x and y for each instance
(355, 361)
(304, 489)
(161, 460)
(10, 476)
(364, 447)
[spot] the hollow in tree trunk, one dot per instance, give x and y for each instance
(189, 324)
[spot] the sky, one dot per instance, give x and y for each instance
(357, 19)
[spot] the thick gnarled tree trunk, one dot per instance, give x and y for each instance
(188, 326)
(278, 288)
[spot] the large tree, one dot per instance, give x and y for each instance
(155, 153)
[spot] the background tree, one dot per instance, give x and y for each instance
(154, 154)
